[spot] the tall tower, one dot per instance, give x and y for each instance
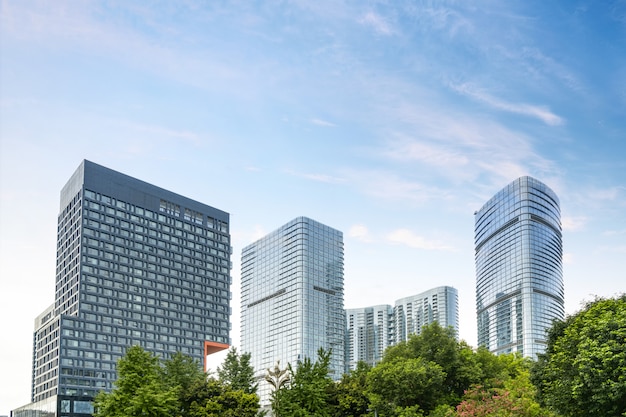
(440, 304)
(292, 298)
(519, 274)
(369, 332)
(136, 265)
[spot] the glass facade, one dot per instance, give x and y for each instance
(519, 274)
(136, 265)
(369, 333)
(440, 304)
(371, 330)
(292, 298)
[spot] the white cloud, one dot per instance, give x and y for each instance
(329, 179)
(360, 232)
(568, 258)
(573, 224)
(408, 238)
(378, 23)
(539, 112)
(320, 122)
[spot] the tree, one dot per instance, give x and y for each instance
(310, 391)
(182, 373)
(237, 372)
(352, 399)
(513, 398)
(438, 350)
(403, 386)
(214, 398)
(139, 390)
(582, 372)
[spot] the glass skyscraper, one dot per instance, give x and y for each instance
(371, 330)
(369, 333)
(440, 304)
(519, 275)
(136, 265)
(292, 298)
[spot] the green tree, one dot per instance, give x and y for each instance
(139, 389)
(515, 397)
(583, 372)
(455, 361)
(213, 398)
(404, 386)
(181, 372)
(237, 372)
(352, 399)
(310, 390)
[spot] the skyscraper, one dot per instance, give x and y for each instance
(136, 265)
(519, 275)
(292, 298)
(370, 330)
(368, 334)
(440, 304)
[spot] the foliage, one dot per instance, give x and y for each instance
(310, 391)
(404, 383)
(583, 372)
(351, 398)
(214, 398)
(514, 398)
(237, 372)
(177, 387)
(182, 372)
(139, 390)
(457, 359)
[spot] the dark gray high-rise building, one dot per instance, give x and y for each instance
(136, 265)
(519, 274)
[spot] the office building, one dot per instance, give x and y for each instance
(292, 298)
(519, 275)
(371, 330)
(440, 304)
(369, 333)
(136, 265)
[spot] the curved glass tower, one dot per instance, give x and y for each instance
(519, 274)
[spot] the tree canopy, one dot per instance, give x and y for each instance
(148, 387)
(583, 372)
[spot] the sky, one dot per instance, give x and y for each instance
(392, 121)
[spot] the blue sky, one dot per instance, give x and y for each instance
(390, 121)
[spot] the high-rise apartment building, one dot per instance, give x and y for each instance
(371, 330)
(292, 298)
(519, 275)
(440, 304)
(369, 333)
(136, 265)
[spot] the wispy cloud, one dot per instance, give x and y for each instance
(390, 186)
(614, 232)
(573, 224)
(542, 113)
(408, 238)
(168, 133)
(320, 122)
(319, 177)
(377, 22)
(360, 232)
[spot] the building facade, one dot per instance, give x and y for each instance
(371, 330)
(519, 274)
(292, 298)
(369, 333)
(136, 265)
(440, 304)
